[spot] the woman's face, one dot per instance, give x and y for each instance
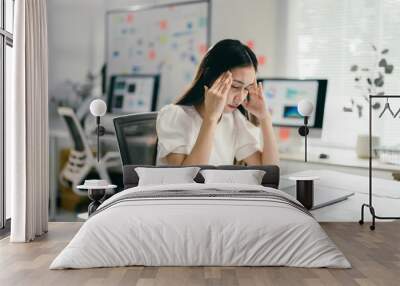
(243, 78)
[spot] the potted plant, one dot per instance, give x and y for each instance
(369, 80)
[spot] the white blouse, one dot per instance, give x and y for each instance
(178, 127)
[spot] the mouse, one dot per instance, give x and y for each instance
(323, 156)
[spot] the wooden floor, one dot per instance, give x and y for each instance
(375, 257)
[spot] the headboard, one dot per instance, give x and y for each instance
(270, 179)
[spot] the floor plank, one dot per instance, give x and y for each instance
(375, 257)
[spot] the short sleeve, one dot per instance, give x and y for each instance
(247, 137)
(173, 131)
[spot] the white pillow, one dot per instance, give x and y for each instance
(248, 177)
(166, 176)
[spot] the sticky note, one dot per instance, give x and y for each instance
(250, 44)
(262, 60)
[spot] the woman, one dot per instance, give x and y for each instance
(208, 125)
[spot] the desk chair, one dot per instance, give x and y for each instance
(81, 160)
(137, 138)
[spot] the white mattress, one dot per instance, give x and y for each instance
(191, 231)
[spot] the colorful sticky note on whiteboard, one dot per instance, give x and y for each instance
(202, 22)
(202, 49)
(193, 59)
(151, 55)
(163, 39)
(163, 24)
(250, 44)
(284, 133)
(129, 18)
(136, 69)
(262, 60)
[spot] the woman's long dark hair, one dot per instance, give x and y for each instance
(224, 55)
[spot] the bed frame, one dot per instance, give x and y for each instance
(270, 179)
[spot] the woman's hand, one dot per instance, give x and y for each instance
(215, 98)
(255, 103)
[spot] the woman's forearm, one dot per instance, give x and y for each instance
(270, 154)
(201, 151)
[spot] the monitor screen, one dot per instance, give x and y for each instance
(283, 95)
(133, 93)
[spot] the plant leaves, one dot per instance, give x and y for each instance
(382, 63)
(359, 109)
(379, 82)
(354, 68)
(347, 109)
(376, 105)
(385, 51)
(389, 69)
(369, 81)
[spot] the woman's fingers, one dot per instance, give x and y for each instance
(205, 90)
(225, 83)
(260, 89)
(226, 87)
(219, 80)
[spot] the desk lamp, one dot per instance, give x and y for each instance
(305, 184)
(98, 108)
(97, 188)
(305, 108)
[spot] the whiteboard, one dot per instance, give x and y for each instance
(169, 40)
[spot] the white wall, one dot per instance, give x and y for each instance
(77, 34)
(76, 39)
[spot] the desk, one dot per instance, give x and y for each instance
(344, 160)
(386, 195)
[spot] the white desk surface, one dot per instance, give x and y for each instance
(337, 157)
(386, 195)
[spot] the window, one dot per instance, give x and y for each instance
(6, 43)
(323, 39)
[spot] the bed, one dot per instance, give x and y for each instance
(198, 224)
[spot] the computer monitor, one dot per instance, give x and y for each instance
(283, 95)
(133, 93)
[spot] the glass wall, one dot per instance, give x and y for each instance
(6, 43)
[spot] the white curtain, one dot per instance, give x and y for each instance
(27, 122)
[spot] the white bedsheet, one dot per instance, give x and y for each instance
(200, 231)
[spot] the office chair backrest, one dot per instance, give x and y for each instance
(74, 128)
(137, 138)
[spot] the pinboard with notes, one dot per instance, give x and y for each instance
(169, 40)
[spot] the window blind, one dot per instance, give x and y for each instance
(323, 39)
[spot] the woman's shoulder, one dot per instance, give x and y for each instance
(175, 109)
(175, 114)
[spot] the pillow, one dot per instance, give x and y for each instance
(166, 176)
(248, 177)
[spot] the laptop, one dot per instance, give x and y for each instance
(323, 195)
